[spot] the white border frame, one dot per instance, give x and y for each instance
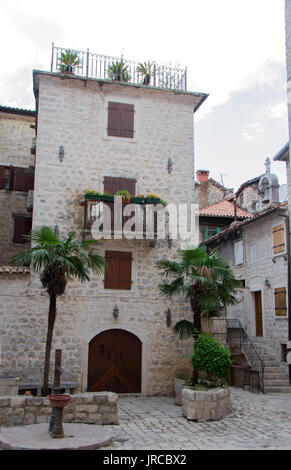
(121, 99)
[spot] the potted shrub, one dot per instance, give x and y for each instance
(106, 197)
(118, 71)
(145, 69)
(126, 196)
(211, 399)
(68, 62)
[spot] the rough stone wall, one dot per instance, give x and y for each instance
(250, 197)
(73, 114)
(255, 272)
(15, 144)
(90, 408)
(208, 193)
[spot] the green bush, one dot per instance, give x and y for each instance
(211, 357)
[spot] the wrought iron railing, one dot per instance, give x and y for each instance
(237, 335)
(91, 65)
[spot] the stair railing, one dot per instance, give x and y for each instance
(237, 334)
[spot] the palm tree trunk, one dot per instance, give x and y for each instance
(49, 338)
(197, 330)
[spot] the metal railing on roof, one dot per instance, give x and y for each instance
(90, 65)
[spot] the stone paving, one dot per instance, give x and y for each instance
(257, 421)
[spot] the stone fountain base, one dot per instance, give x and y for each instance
(36, 437)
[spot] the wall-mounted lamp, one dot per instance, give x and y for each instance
(267, 283)
(274, 260)
(61, 153)
(168, 317)
(170, 165)
(115, 311)
(285, 257)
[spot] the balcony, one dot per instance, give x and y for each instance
(90, 65)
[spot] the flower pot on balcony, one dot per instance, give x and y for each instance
(138, 200)
(106, 198)
(152, 200)
(93, 197)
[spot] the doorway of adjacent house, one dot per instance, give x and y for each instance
(258, 312)
(115, 362)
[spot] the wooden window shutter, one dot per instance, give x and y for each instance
(280, 302)
(278, 239)
(114, 119)
(111, 184)
(2, 177)
(22, 226)
(118, 270)
(19, 180)
(127, 129)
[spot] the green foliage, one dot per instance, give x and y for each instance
(124, 194)
(91, 192)
(211, 357)
(118, 71)
(68, 60)
(145, 68)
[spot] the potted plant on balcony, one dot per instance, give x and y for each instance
(138, 199)
(93, 195)
(153, 199)
(126, 196)
(118, 71)
(68, 62)
(145, 69)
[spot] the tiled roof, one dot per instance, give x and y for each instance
(22, 111)
(224, 208)
(14, 270)
(236, 225)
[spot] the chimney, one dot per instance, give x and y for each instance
(202, 175)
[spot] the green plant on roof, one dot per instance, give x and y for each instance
(68, 61)
(146, 70)
(118, 71)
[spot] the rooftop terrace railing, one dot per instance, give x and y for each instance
(90, 65)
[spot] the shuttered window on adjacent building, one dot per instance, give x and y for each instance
(120, 120)
(22, 227)
(16, 178)
(280, 302)
(278, 239)
(118, 270)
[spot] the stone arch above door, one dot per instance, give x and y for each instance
(115, 362)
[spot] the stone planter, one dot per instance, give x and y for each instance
(9, 385)
(179, 385)
(212, 404)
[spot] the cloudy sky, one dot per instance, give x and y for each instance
(234, 50)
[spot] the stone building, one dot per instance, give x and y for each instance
(104, 135)
(257, 252)
(209, 191)
(16, 179)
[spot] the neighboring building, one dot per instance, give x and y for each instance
(256, 250)
(16, 179)
(247, 196)
(217, 217)
(208, 191)
(115, 331)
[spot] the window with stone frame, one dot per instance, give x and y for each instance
(280, 302)
(16, 178)
(278, 237)
(120, 120)
(22, 227)
(238, 253)
(118, 270)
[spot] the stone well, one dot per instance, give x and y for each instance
(212, 404)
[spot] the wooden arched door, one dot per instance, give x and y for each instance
(114, 362)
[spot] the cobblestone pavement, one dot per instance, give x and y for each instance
(257, 421)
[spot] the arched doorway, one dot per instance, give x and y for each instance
(114, 362)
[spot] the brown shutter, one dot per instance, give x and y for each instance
(19, 183)
(280, 302)
(127, 129)
(118, 270)
(2, 177)
(114, 119)
(111, 184)
(124, 270)
(278, 239)
(128, 184)
(11, 177)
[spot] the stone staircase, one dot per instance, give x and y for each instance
(275, 379)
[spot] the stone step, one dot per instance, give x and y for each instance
(276, 383)
(277, 389)
(275, 376)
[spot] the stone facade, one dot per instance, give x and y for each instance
(209, 191)
(88, 408)
(16, 137)
(259, 264)
(206, 405)
(72, 113)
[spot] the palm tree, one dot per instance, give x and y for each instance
(58, 260)
(206, 280)
(118, 71)
(68, 61)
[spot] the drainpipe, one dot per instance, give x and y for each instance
(235, 212)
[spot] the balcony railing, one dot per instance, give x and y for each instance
(90, 65)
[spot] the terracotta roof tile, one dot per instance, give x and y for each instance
(224, 208)
(14, 270)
